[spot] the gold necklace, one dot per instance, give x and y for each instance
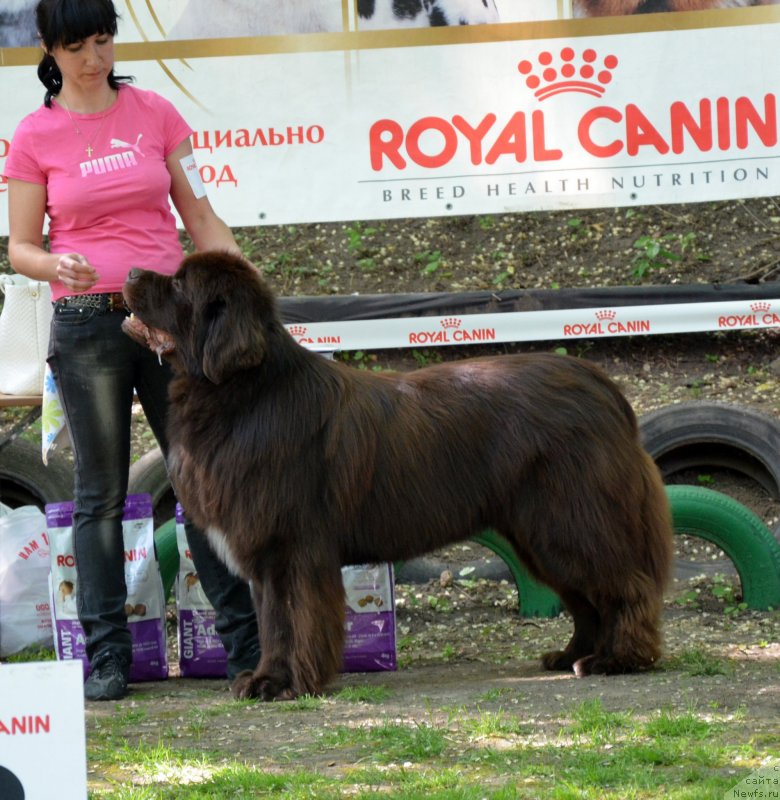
(88, 149)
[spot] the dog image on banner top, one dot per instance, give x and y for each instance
(196, 19)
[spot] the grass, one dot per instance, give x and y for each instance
(698, 662)
(588, 752)
(680, 732)
(213, 748)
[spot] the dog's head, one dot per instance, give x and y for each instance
(212, 318)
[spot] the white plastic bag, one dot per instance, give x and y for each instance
(24, 334)
(25, 617)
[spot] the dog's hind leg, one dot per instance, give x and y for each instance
(586, 633)
(630, 596)
(301, 618)
(630, 638)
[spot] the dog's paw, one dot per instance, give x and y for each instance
(604, 665)
(558, 661)
(242, 687)
(248, 685)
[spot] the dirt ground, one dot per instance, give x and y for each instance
(465, 650)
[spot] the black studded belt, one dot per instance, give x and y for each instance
(108, 301)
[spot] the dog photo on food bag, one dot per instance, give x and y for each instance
(296, 465)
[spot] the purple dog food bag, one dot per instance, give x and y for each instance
(370, 618)
(201, 654)
(145, 603)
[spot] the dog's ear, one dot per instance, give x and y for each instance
(231, 342)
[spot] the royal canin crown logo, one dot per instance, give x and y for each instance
(568, 72)
(606, 314)
(297, 330)
(760, 306)
(451, 323)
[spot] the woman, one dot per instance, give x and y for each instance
(102, 158)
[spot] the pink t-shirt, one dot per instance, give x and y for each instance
(111, 206)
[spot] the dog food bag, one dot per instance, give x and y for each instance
(201, 654)
(145, 604)
(25, 616)
(370, 644)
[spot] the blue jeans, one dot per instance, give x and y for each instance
(97, 368)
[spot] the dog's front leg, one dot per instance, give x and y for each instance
(300, 605)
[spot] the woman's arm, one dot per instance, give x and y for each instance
(26, 210)
(206, 229)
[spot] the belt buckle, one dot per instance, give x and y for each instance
(115, 301)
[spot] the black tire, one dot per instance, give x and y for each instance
(425, 568)
(711, 434)
(26, 480)
(706, 435)
(149, 474)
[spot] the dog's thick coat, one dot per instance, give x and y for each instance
(296, 465)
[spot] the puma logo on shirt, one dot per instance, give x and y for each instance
(110, 163)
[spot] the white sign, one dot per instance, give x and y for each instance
(42, 735)
(539, 111)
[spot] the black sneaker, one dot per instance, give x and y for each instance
(107, 679)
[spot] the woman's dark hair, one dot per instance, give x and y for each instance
(63, 22)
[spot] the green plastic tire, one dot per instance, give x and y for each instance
(535, 599)
(736, 530)
(167, 554)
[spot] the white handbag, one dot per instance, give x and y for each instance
(24, 334)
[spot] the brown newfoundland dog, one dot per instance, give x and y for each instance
(296, 465)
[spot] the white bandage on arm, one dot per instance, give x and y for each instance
(193, 176)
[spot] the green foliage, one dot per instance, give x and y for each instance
(698, 661)
(593, 720)
(654, 254)
(657, 252)
(37, 653)
(360, 359)
(578, 229)
(430, 260)
(357, 235)
(364, 694)
(425, 358)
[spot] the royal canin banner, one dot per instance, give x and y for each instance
(331, 110)
(525, 326)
